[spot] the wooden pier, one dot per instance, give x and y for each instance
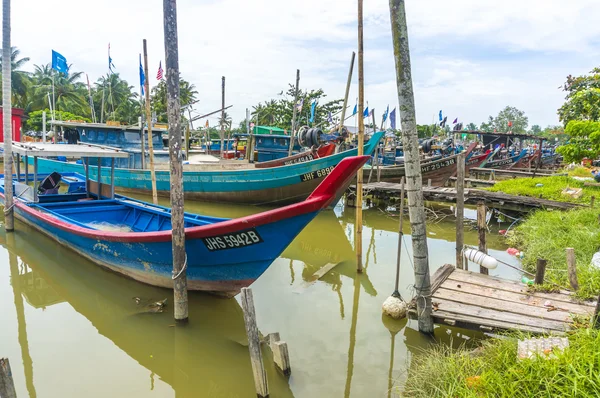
(477, 171)
(388, 190)
(489, 304)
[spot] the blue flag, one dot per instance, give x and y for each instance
(441, 116)
(355, 110)
(110, 62)
(142, 77)
(313, 107)
(385, 114)
(329, 117)
(393, 119)
(366, 112)
(59, 63)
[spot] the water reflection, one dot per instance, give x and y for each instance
(209, 358)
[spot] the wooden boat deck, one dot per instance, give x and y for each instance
(489, 304)
(383, 190)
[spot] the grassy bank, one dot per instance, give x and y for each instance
(496, 372)
(546, 234)
(551, 188)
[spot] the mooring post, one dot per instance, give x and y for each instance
(482, 227)
(281, 355)
(361, 140)
(7, 385)
(149, 123)
(412, 165)
(540, 271)
(592, 200)
(180, 302)
(572, 268)
(7, 119)
(258, 368)
(294, 112)
(222, 115)
(596, 317)
(460, 210)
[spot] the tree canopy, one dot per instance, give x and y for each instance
(500, 123)
(582, 101)
(584, 141)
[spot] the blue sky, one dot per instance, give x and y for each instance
(470, 58)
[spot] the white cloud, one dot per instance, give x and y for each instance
(259, 45)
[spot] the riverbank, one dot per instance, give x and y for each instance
(494, 369)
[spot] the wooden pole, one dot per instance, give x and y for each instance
(7, 386)
(361, 141)
(400, 236)
(596, 318)
(149, 122)
(294, 112)
(482, 227)
(592, 200)
(222, 114)
(540, 271)
(460, 209)
(258, 368)
(572, 268)
(348, 83)
(414, 186)
(180, 302)
(44, 127)
(9, 223)
(142, 140)
(281, 355)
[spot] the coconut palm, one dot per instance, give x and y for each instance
(225, 120)
(21, 80)
(115, 99)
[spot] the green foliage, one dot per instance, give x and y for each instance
(35, 119)
(500, 122)
(496, 371)
(551, 188)
(547, 234)
(279, 112)
(580, 171)
(582, 99)
(428, 130)
(472, 126)
(158, 99)
(535, 129)
(584, 141)
(20, 80)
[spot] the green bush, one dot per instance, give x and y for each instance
(551, 188)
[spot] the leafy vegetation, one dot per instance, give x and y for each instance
(584, 141)
(551, 188)
(546, 234)
(500, 123)
(495, 371)
(580, 171)
(582, 101)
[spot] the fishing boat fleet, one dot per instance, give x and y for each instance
(71, 196)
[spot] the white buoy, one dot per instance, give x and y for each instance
(481, 258)
(394, 307)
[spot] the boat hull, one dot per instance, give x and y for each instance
(438, 171)
(272, 186)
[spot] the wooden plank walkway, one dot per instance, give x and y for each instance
(485, 303)
(514, 173)
(382, 190)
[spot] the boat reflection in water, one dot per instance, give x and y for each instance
(209, 357)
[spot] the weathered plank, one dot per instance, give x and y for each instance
(513, 286)
(502, 306)
(475, 310)
(523, 298)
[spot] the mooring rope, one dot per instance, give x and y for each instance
(176, 276)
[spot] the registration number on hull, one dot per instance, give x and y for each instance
(232, 241)
(316, 174)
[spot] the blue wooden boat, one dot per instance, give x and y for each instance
(505, 163)
(133, 238)
(272, 186)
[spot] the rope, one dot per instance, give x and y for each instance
(8, 209)
(176, 276)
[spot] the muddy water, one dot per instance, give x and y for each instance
(72, 329)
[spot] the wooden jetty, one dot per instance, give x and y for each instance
(474, 182)
(476, 171)
(387, 190)
(489, 304)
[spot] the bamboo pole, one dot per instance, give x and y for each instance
(412, 166)
(294, 112)
(9, 223)
(180, 302)
(348, 83)
(460, 210)
(482, 227)
(361, 140)
(149, 122)
(222, 114)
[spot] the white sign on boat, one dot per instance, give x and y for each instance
(71, 150)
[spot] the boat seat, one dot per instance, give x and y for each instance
(50, 184)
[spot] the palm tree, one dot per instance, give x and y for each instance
(226, 120)
(117, 98)
(21, 80)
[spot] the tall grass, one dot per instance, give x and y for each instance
(551, 188)
(496, 372)
(580, 171)
(546, 234)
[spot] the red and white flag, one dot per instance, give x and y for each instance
(159, 74)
